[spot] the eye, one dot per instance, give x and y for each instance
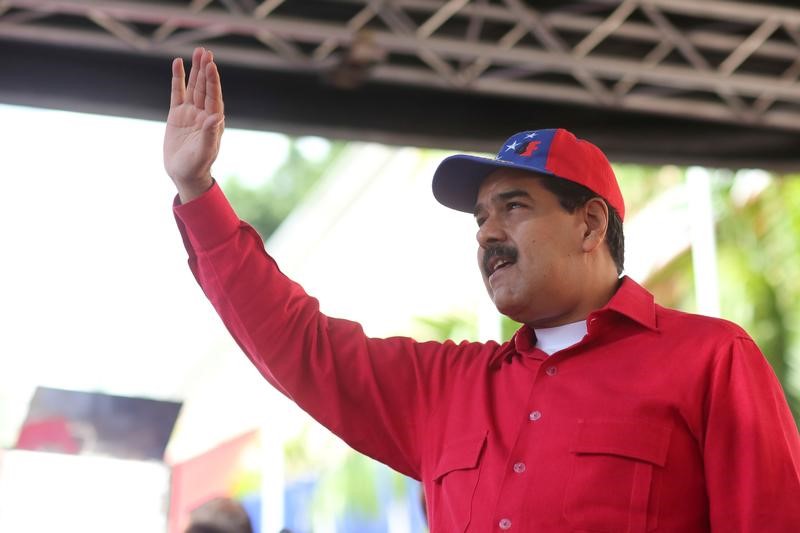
(513, 205)
(480, 220)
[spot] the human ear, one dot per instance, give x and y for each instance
(595, 219)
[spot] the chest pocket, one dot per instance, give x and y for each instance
(456, 478)
(615, 475)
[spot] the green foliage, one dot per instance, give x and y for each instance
(673, 284)
(508, 327)
(642, 183)
(399, 484)
(457, 327)
(350, 486)
(298, 462)
(267, 205)
(348, 482)
(248, 483)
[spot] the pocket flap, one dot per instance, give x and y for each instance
(462, 454)
(644, 440)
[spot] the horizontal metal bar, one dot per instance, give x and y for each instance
(753, 12)
(316, 32)
(533, 59)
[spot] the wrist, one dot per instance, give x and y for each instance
(194, 189)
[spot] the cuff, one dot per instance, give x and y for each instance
(208, 220)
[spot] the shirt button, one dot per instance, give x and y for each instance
(505, 523)
(535, 415)
(519, 468)
(551, 371)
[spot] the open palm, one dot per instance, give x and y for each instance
(195, 122)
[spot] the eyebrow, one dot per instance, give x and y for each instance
(503, 196)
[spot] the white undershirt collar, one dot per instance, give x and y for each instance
(552, 340)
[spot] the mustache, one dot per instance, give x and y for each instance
(498, 250)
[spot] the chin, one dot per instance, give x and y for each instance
(513, 310)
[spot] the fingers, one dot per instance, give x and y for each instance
(196, 59)
(203, 90)
(200, 87)
(213, 103)
(178, 79)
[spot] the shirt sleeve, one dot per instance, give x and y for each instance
(373, 393)
(751, 447)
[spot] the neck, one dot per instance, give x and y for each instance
(595, 291)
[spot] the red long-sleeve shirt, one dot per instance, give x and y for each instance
(657, 420)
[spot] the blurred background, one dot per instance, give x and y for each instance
(124, 404)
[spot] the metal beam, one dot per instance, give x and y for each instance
(561, 53)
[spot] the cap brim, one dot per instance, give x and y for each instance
(458, 178)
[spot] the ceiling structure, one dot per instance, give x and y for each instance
(683, 81)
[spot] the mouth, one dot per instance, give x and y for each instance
(497, 264)
(497, 259)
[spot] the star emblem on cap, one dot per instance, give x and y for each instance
(531, 135)
(513, 146)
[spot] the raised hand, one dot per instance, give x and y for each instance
(194, 125)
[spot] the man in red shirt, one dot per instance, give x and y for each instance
(605, 412)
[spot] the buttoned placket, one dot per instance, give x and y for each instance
(522, 460)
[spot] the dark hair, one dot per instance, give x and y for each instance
(572, 195)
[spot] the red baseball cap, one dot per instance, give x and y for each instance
(550, 152)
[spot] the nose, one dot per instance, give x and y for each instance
(490, 232)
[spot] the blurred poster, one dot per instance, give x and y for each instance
(91, 423)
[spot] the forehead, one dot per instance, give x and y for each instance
(506, 179)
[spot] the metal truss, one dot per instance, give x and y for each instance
(720, 60)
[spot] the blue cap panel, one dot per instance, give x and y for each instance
(528, 149)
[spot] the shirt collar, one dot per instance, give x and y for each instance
(507, 350)
(631, 300)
